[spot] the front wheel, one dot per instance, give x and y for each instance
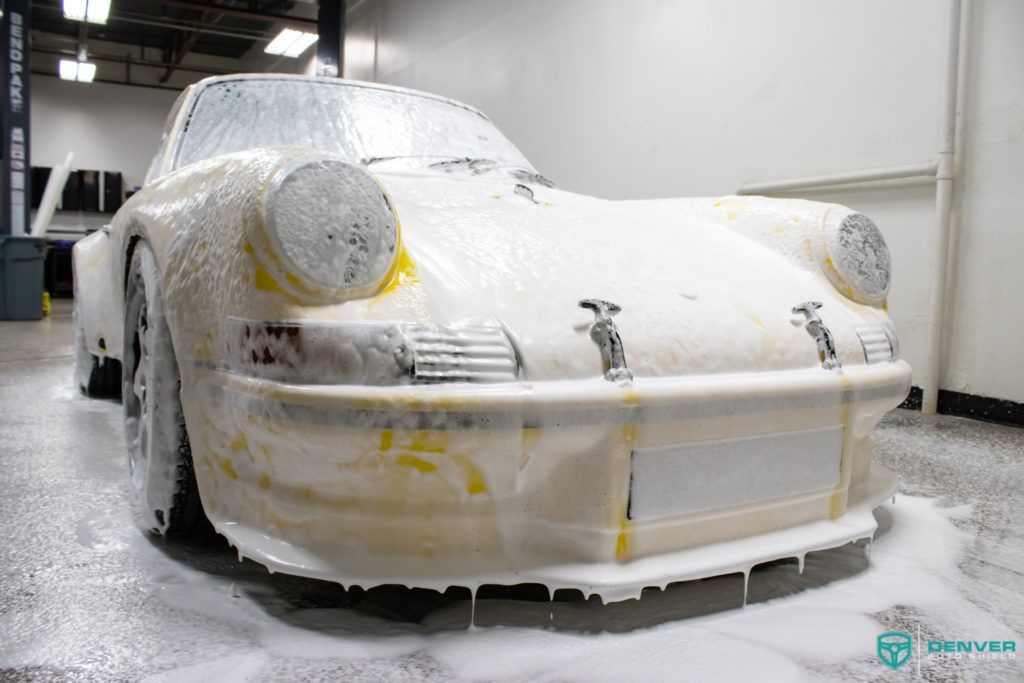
(162, 480)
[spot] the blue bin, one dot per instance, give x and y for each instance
(21, 277)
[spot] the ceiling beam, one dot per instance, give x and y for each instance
(296, 22)
(107, 80)
(182, 48)
(129, 60)
(191, 27)
(165, 22)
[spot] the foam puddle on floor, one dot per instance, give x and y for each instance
(821, 624)
(827, 619)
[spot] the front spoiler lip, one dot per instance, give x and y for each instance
(558, 403)
(611, 581)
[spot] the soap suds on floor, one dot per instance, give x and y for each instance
(795, 624)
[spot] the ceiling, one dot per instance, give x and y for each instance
(176, 28)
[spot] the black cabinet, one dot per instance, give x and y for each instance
(84, 190)
(40, 174)
(89, 187)
(113, 191)
(71, 200)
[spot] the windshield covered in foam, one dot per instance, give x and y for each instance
(357, 123)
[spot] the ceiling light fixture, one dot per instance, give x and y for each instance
(86, 72)
(290, 43)
(70, 70)
(93, 11)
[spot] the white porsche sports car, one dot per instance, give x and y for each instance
(354, 327)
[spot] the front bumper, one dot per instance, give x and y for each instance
(433, 486)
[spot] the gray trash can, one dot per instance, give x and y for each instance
(21, 277)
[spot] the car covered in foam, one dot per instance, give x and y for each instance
(354, 328)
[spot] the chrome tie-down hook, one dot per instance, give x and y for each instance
(816, 328)
(526, 192)
(606, 335)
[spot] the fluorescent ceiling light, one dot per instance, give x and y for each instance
(97, 11)
(74, 9)
(86, 72)
(300, 45)
(290, 43)
(284, 40)
(70, 70)
(93, 11)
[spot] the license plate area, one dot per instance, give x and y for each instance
(683, 479)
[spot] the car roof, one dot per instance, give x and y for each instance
(334, 81)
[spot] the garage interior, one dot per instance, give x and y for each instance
(911, 113)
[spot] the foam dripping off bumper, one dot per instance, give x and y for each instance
(611, 581)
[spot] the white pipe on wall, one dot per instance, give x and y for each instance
(926, 169)
(944, 179)
(51, 195)
(943, 169)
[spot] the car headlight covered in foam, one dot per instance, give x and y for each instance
(330, 229)
(857, 260)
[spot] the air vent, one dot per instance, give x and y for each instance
(878, 343)
(463, 354)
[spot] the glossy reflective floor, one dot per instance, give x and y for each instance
(85, 596)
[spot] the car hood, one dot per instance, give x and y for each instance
(696, 296)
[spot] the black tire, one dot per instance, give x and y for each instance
(161, 478)
(100, 378)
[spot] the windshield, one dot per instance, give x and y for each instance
(358, 123)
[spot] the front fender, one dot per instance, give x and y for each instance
(792, 228)
(199, 222)
(789, 227)
(196, 221)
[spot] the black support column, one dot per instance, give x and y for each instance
(330, 46)
(21, 256)
(16, 175)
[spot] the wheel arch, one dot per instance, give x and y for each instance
(97, 309)
(129, 250)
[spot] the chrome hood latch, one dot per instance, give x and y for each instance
(606, 336)
(816, 328)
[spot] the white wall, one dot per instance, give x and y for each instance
(108, 127)
(986, 337)
(117, 127)
(668, 98)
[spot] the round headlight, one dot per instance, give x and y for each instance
(330, 228)
(857, 260)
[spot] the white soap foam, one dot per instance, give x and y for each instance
(234, 625)
(785, 638)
